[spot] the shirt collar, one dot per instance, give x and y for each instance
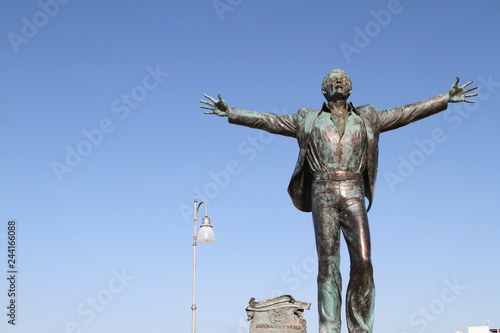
(351, 107)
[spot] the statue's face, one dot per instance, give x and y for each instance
(337, 85)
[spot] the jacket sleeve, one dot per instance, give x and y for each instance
(403, 115)
(273, 123)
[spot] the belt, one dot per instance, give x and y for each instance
(339, 175)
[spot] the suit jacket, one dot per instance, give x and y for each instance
(300, 125)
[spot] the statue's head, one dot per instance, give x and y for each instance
(336, 85)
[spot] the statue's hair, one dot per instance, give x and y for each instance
(336, 70)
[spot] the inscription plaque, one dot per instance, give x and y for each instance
(281, 314)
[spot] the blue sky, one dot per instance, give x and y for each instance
(103, 146)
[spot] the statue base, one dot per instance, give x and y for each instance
(281, 314)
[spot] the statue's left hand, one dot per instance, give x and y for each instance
(459, 94)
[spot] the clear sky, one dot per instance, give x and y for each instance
(103, 145)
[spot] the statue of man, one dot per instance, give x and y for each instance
(335, 171)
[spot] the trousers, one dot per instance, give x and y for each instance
(339, 205)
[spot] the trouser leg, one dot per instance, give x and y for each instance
(360, 298)
(327, 231)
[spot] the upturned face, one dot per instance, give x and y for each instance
(336, 86)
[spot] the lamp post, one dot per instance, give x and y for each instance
(206, 235)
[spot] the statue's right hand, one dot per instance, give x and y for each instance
(218, 107)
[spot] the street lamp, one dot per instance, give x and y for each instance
(206, 235)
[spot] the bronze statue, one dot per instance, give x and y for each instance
(336, 169)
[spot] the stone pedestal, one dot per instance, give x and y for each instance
(281, 314)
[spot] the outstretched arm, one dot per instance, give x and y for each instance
(400, 116)
(459, 94)
(270, 122)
